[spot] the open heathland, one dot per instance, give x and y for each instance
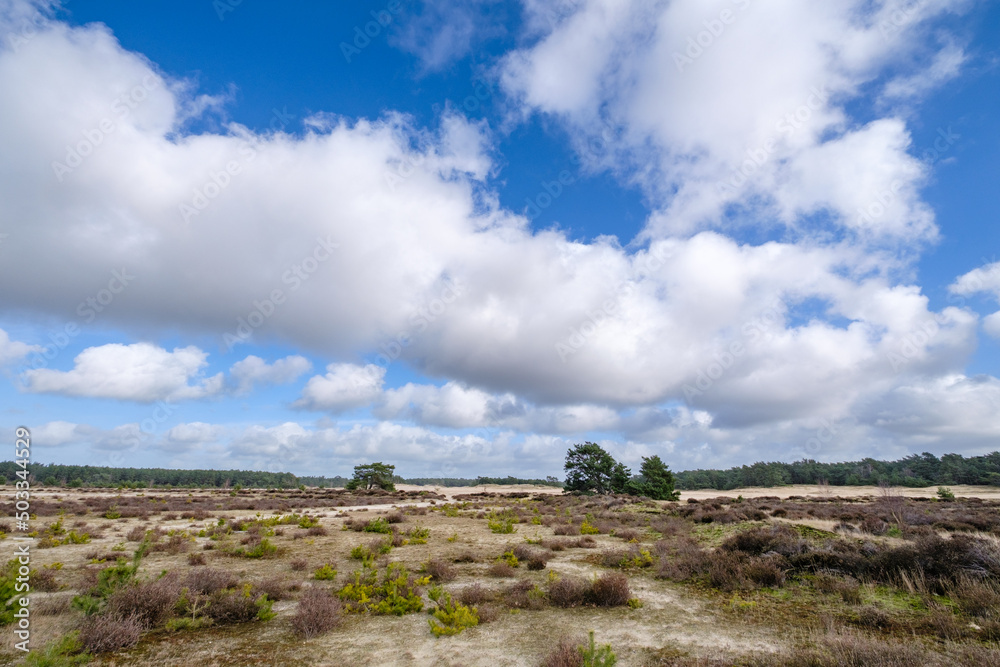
(477, 576)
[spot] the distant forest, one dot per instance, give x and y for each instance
(917, 470)
(72, 476)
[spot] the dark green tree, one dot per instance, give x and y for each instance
(589, 469)
(372, 475)
(655, 480)
(621, 478)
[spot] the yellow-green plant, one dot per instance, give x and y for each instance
(450, 617)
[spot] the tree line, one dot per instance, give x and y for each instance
(916, 470)
(74, 476)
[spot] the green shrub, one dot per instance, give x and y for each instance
(502, 522)
(450, 617)
(418, 535)
(944, 493)
(598, 656)
(587, 528)
(396, 593)
(509, 558)
(61, 653)
(10, 598)
(325, 573)
(378, 525)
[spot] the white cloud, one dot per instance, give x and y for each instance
(139, 372)
(57, 433)
(708, 105)
(344, 386)
(254, 370)
(12, 351)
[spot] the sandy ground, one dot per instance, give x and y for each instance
(985, 492)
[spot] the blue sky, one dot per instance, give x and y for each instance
(719, 232)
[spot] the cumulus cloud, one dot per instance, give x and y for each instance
(58, 433)
(254, 370)
(714, 105)
(444, 31)
(12, 351)
(140, 372)
(344, 386)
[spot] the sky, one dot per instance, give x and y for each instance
(461, 237)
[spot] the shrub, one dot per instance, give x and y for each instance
(586, 528)
(474, 594)
(450, 617)
(439, 570)
(325, 573)
(569, 591)
(44, 580)
(597, 656)
(944, 493)
(299, 564)
(150, 603)
(397, 593)
(318, 612)
(502, 521)
(377, 525)
(524, 595)
(418, 535)
(103, 633)
(316, 530)
(210, 581)
(501, 569)
(61, 653)
(567, 654)
(196, 559)
(610, 590)
(239, 606)
(275, 589)
(509, 558)
(136, 534)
